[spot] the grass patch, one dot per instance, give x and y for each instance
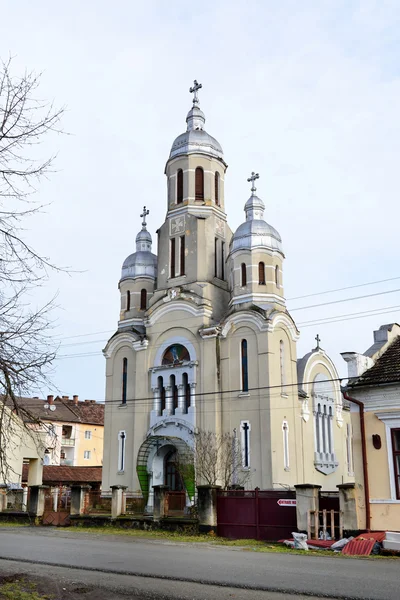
(20, 589)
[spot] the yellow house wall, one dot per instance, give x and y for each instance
(94, 445)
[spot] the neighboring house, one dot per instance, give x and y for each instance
(374, 380)
(74, 429)
(21, 444)
(55, 476)
(205, 342)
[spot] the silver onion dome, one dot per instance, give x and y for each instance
(255, 232)
(196, 139)
(142, 263)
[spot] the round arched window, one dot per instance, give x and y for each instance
(175, 354)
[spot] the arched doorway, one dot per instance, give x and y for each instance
(173, 479)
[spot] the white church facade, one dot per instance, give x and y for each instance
(205, 343)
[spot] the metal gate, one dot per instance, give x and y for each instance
(261, 515)
(176, 502)
(57, 506)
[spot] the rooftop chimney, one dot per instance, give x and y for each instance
(356, 363)
(65, 397)
(75, 399)
(50, 399)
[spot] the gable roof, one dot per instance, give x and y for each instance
(67, 475)
(88, 412)
(385, 370)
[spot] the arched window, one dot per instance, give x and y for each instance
(179, 186)
(186, 392)
(216, 183)
(277, 279)
(324, 412)
(143, 299)
(175, 354)
(282, 365)
(174, 389)
(124, 379)
(162, 393)
(261, 273)
(245, 373)
(199, 184)
(243, 274)
(128, 300)
(285, 429)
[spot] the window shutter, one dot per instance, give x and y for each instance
(143, 299)
(199, 184)
(244, 275)
(261, 273)
(179, 187)
(217, 188)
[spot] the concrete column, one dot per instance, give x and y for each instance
(307, 498)
(35, 472)
(156, 400)
(25, 499)
(169, 401)
(207, 507)
(36, 499)
(348, 506)
(160, 508)
(3, 497)
(117, 500)
(192, 395)
(78, 493)
(181, 399)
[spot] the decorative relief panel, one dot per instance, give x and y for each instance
(220, 227)
(177, 225)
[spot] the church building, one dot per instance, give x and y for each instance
(205, 343)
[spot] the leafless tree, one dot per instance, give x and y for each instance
(26, 346)
(215, 460)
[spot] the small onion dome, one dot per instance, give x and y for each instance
(255, 232)
(142, 263)
(196, 139)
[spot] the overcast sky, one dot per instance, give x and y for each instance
(306, 93)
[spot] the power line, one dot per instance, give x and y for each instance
(345, 300)
(349, 287)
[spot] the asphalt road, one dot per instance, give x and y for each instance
(199, 563)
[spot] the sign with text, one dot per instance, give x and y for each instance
(286, 502)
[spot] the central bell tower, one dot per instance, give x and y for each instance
(194, 239)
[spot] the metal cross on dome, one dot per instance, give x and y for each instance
(144, 215)
(253, 178)
(194, 90)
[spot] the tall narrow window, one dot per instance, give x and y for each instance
(245, 374)
(349, 449)
(282, 366)
(261, 273)
(216, 257)
(182, 255)
(162, 393)
(124, 379)
(174, 388)
(121, 450)
(277, 280)
(243, 275)
(222, 260)
(396, 459)
(245, 443)
(216, 181)
(199, 184)
(143, 299)
(186, 391)
(172, 257)
(285, 430)
(179, 186)
(128, 300)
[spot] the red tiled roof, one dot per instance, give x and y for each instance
(385, 370)
(64, 474)
(89, 412)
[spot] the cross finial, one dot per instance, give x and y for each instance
(194, 90)
(144, 215)
(253, 178)
(318, 339)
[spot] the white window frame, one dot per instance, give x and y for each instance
(88, 434)
(285, 434)
(121, 450)
(243, 445)
(87, 454)
(324, 415)
(391, 421)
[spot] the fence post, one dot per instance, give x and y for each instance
(78, 493)
(160, 509)
(348, 506)
(3, 497)
(25, 499)
(307, 499)
(117, 500)
(36, 500)
(207, 507)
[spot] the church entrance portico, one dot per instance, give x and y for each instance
(158, 463)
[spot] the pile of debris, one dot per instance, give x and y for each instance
(377, 542)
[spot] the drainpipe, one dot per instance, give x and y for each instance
(364, 458)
